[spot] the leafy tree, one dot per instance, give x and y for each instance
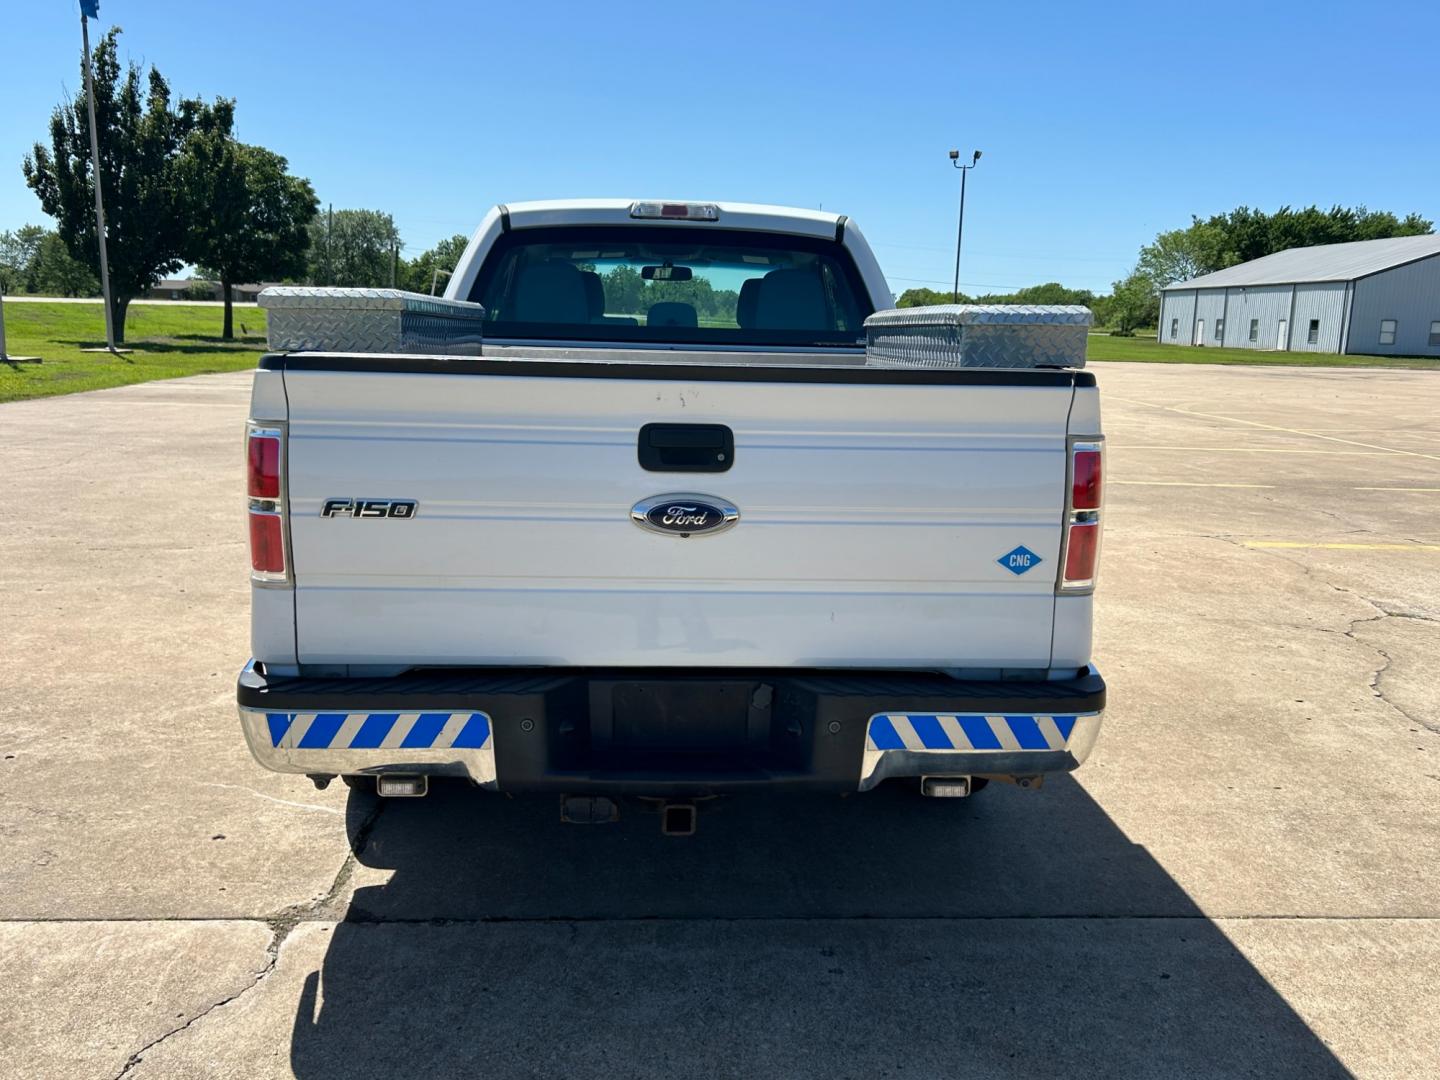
(624, 291)
(58, 273)
(247, 218)
(1133, 302)
(1182, 254)
(928, 297)
(353, 248)
(1246, 233)
(17, 258)
(139, 134)
(432, 269)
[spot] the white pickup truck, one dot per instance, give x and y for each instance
(665, 529)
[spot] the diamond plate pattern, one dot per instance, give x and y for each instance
(978, 335)
(320, 319)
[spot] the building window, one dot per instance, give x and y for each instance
(1254, 329)
(1313, 334)
(1435, 332)
(1174, 329)
(1387, 331)
(1219, 329)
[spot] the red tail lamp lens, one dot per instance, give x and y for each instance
(263, 467)
(267, 544)
(1081, 551)
(1085, 487)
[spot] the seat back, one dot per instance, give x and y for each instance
(791, 300)
(551, 292)
(671, 313)
(749, 297)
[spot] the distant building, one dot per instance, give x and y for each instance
(180, 289)
(1374, 297)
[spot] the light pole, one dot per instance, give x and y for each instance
(91, 10)
(960, 233)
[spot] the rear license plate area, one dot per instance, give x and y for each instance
(698, 716)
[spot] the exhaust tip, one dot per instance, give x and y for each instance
(677, 819)
(402, 785)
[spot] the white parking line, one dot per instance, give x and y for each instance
(1185, 483)
(1257, 450)
(1274, 427)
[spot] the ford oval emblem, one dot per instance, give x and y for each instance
(684, 515)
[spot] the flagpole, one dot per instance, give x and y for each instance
(99, 200)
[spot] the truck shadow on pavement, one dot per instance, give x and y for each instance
(1011, 934)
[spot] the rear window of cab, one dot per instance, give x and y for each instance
(672, 285)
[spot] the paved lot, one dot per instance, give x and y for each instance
(1244, 881)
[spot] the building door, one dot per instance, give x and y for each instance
(1282, 339)
(1199, 332)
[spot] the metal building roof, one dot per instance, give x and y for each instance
(1324, 262)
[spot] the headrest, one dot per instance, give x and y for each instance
(670, 313)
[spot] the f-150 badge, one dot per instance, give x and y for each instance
(369, 508)
(684, 515)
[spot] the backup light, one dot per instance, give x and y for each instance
(676, 211)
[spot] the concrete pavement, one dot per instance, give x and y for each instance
(1243, 880)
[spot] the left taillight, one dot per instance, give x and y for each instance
(264, 463)
(1080, 561)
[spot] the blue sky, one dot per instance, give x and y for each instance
(1100, 124)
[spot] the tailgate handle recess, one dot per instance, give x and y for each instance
(706, 448)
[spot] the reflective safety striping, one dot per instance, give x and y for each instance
(954, 731)
(376, 731)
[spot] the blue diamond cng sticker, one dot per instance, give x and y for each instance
(1019, 560)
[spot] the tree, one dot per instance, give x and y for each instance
(1133, 302)
(139, 135)
(1245, 233)
(624, 291)
(55, 272)
(927, 298)
(432, 269)
(17, 258)
(247, 218)
(353, 248)
(1182, 254)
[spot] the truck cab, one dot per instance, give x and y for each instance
(667, 528)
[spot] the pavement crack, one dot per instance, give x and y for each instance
(1382, 612)
(281, 925)
(272, 955)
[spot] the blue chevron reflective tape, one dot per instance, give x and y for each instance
(958, 731)
(379, 731)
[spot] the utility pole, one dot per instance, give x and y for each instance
(91, 8)
(960, 232)
(329, 262)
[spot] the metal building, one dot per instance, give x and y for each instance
(1377, 297)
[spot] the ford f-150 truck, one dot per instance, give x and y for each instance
(665, 528)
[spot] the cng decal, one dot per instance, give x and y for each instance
(1019, 560)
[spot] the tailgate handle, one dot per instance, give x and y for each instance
(686, 447)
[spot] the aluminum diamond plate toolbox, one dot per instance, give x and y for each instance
(978, 335)
(319, 319)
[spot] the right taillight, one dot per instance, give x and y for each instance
(264, 449)
(1081, 559)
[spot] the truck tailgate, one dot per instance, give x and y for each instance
(876, 519)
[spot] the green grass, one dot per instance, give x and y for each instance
(168, 342)
(1148, 350)
(171, 341)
